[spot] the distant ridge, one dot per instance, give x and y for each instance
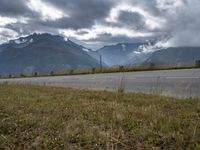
(180, 56)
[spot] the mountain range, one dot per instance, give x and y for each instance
(179, 56)
(118, 54)
(123, 54)
(43, 53)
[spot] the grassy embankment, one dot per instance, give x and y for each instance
(104, 70)
(33, 117)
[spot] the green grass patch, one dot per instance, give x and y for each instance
(34, 117)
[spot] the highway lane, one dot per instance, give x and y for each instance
(178, 83)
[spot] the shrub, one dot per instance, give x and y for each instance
(71, 71)
(121, 68)
(22, 75)
(93, 70)
(152, 65)
(197, 63)
(52, 73)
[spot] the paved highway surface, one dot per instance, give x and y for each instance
(178, 83)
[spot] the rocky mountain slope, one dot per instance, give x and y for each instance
(43, 53)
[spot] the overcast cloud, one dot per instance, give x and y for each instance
(102, 22)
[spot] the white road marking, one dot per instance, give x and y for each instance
(113, 78)
(182, 77)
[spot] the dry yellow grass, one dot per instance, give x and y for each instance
(33, 117)
(104, 70)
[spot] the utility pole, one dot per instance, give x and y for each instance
(100, 63)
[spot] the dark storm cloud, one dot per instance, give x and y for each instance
(83, 14)
(132, 19)
(84, 9)
(14, 8)
(108, 39)
(66, 22)
(103, 21)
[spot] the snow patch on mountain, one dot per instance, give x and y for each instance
(151, 47)
(66, 39)
(144, 50)
(85, 49)
(20, 41)
(123, 47)
(31, 40)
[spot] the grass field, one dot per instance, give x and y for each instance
(33, 117)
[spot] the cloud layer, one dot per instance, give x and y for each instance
(102, 22)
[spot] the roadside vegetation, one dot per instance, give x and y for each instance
(103, 70)
(34, 117)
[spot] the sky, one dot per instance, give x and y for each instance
(104, 22)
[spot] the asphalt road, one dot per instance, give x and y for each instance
(178, 83)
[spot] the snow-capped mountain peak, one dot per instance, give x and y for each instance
(21, 42)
